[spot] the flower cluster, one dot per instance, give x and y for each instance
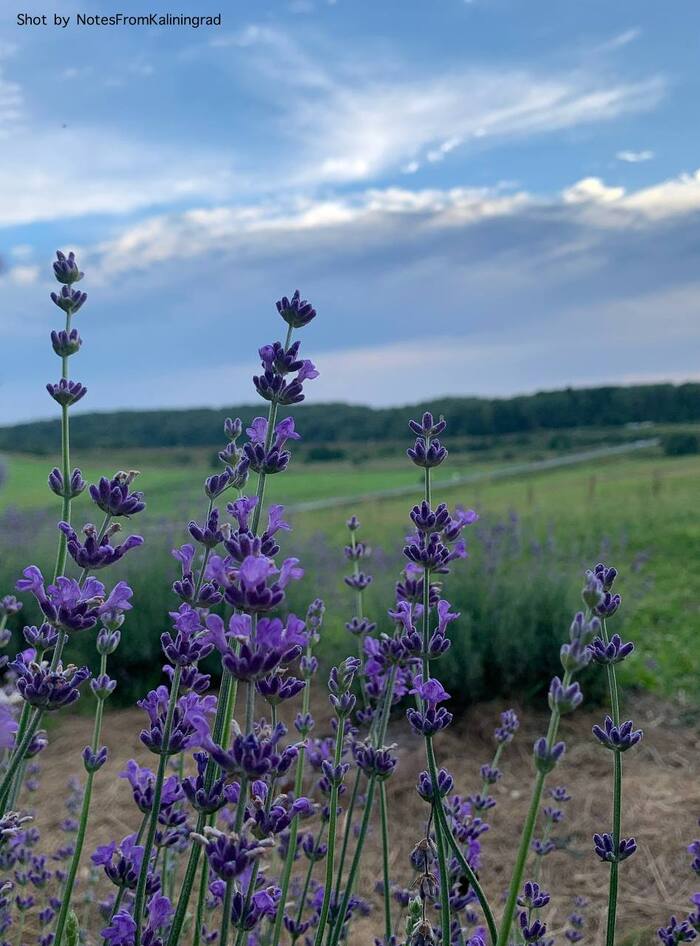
(249, 829)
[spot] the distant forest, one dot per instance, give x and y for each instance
(343, 423)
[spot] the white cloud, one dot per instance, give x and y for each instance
(176, 235)
(22, 251)
(333, 120)
(122, 175)
(11, 106)
(634, 157)
(24, 275)
(592, 190)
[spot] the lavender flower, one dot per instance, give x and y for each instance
(606, 851)
(48, 689)
(95, 551)
(296, 312)
(618, 738)
(114, 497)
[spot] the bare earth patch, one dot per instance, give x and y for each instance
(661, 808)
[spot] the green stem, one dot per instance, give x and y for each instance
(249, 708)
(347, 831)
(617, 803)
(201, 900)
(445, 913)
(226, 916)
(332, 822)
(528, 831)
(388, 929)
(84, 814)
(17, 757)
(340, 919)
(140, 900)
(468, 871)
(187, 884)
(294, 826)
(307, 883)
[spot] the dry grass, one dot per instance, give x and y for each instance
(661, 808)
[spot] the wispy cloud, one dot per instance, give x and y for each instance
(364, 131)
(619, 40)
(634, 157)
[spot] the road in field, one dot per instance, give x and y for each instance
(503, 472)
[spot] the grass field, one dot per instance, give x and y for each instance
(640, 511)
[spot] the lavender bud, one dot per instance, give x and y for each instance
(583, 631)
(70, 300)
(43, 637)
(304, 723)
(609, 605)
(564, 698)
(9, 605)
(605, 848)
(617, 738)
(546, 758)
(427, 426)
(39, 742)
(233, 428)
(575, 656)
(94, 760)
(66, 392)
(531, 932)
(66, 268)
(509, 725)
(114, 497)
(103, 686)
(676, 933)
(606, 576)
(65, 343)
(592, 592)
(360, 626)
(612, 652)
(108, 641)
(75, 487)
(445, 783)
(296, 311)
(334, 773)
(489, 774)
(533, 897)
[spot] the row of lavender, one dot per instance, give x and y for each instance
(245, 832)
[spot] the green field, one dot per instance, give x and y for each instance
(640, 512)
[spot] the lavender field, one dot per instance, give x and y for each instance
(402, 722)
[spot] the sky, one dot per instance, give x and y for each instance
(486, 197)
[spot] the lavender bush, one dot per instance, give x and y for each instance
(245, 831)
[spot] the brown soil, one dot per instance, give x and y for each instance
(661, 808)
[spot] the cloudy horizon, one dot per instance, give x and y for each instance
(483, 201)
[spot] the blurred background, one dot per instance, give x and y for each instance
(483, 200)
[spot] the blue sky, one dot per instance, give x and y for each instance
(480, 197)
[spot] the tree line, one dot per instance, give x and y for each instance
(609, 406)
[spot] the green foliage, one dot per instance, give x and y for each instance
(337, 423)
(516, 592)
(681, 444)
(321, 454)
